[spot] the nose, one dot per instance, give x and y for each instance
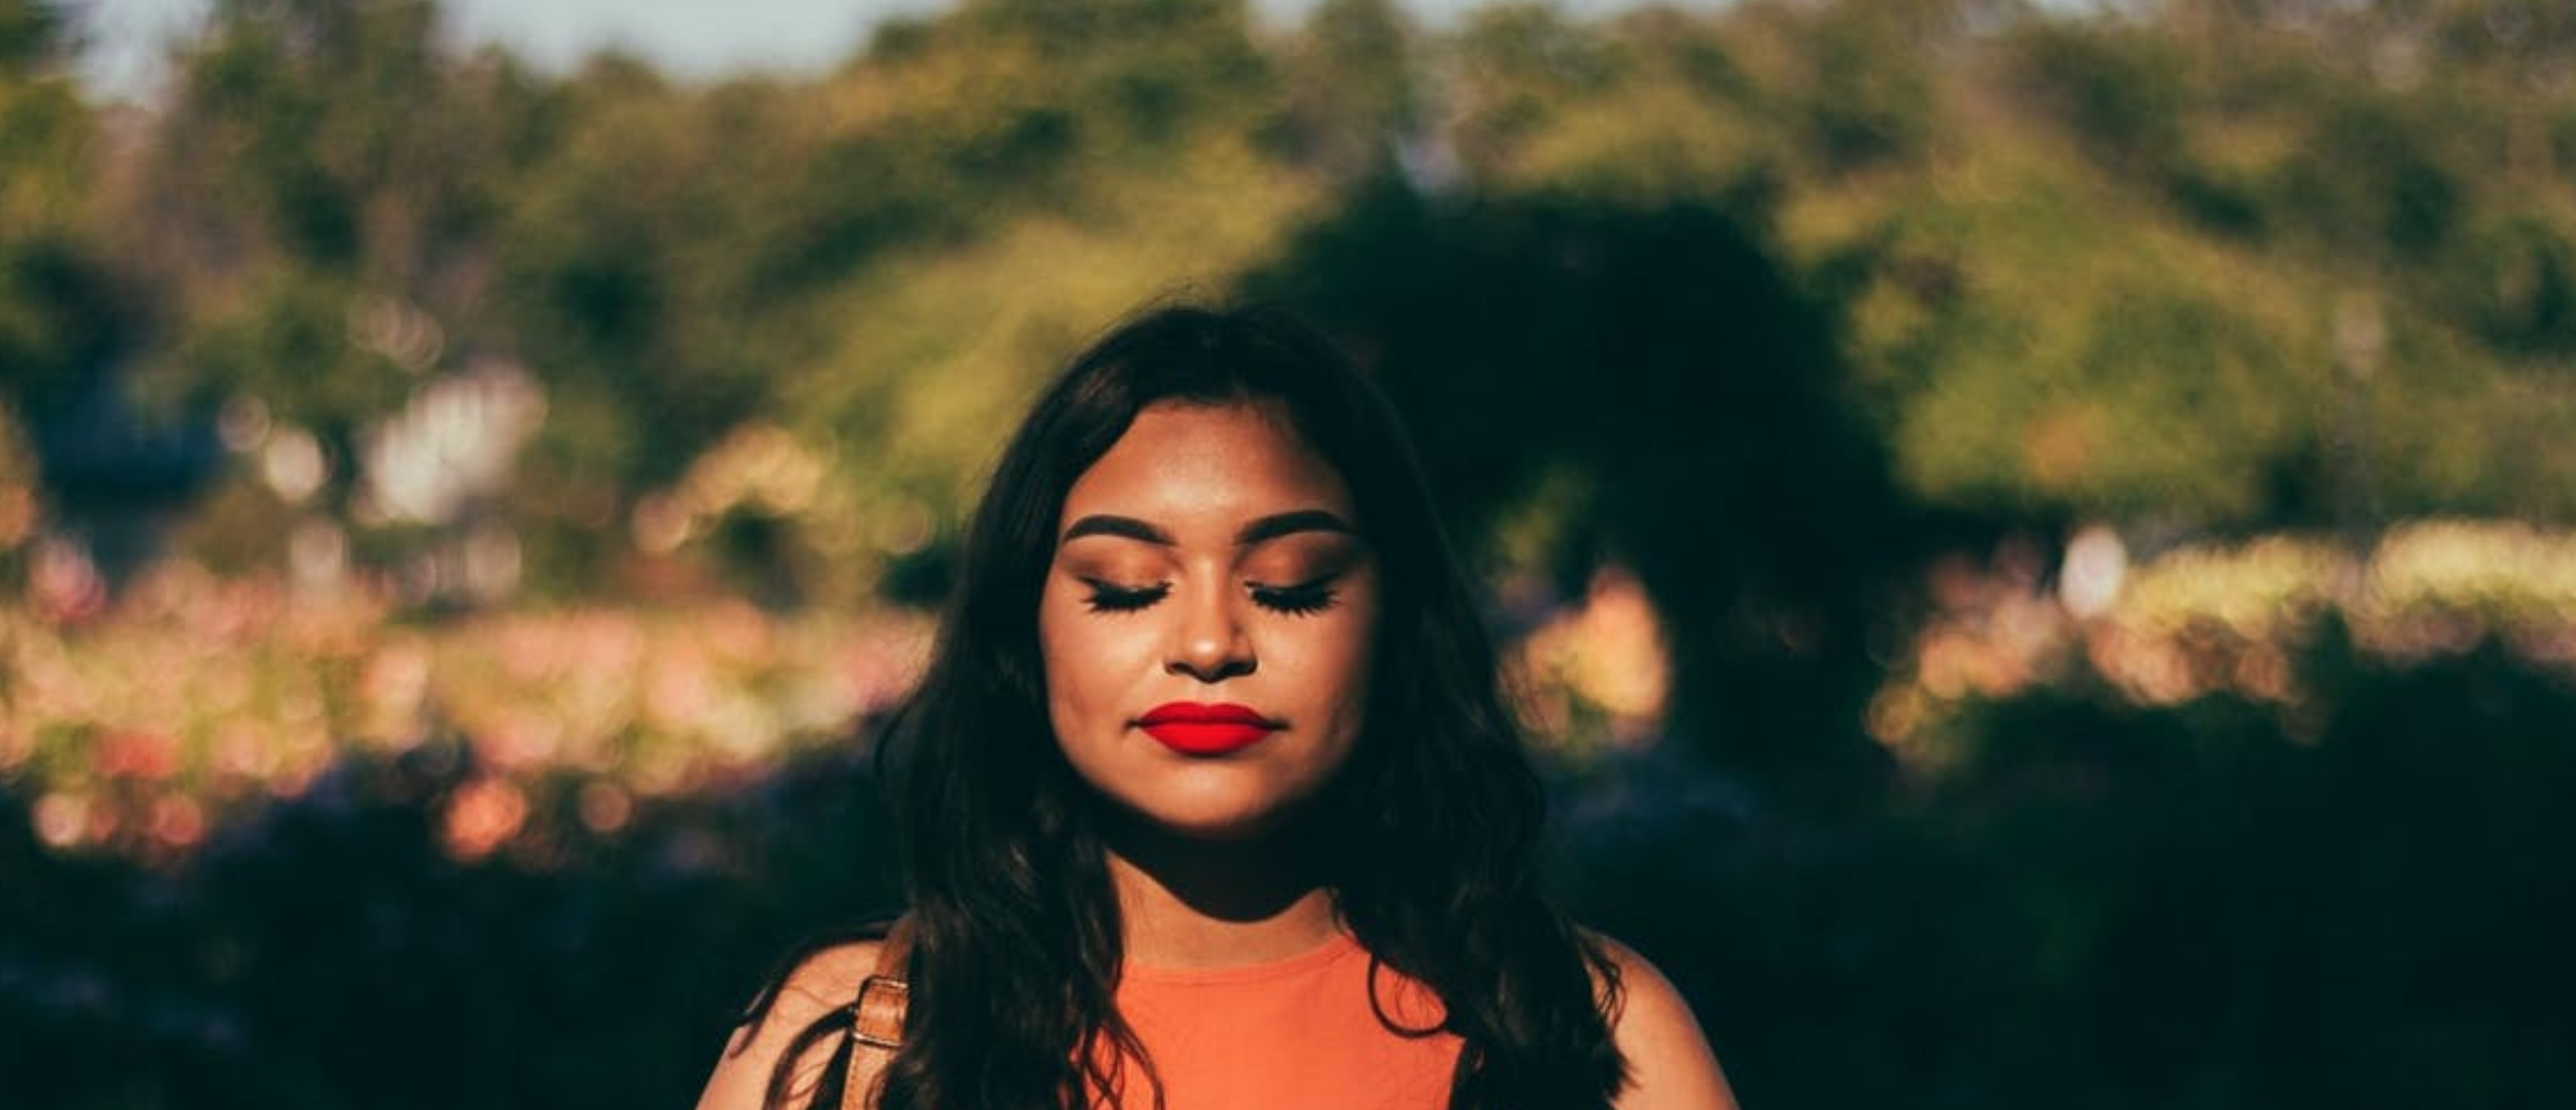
(1209, 642)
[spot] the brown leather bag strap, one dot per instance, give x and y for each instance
(876, 1018)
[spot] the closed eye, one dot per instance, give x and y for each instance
(1109, 597)
(1302, 599)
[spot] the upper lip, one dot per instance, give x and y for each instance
(1195, 712)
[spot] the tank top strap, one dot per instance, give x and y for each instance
(876, 1017)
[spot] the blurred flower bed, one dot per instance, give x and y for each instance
(139, 727)
(2202, 620)
(136, 728)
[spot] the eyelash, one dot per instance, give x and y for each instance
(1302, 600)
(1106, 598)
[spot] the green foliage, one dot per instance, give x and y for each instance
(322, 115)
(616, 280)
(31, 35)
(288, 341)
(58, 304)
(1522, 63)
(1353, 98)
(2119, 92)
(2075, 265)
(2514, 277)
(1870, 93)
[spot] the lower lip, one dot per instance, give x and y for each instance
(1207, 737)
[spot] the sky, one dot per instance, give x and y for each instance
(688, 38)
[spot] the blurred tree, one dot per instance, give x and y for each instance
(2514, 274)
(1869, 89)
(1355, 103)
(2075, 263)
(313, 210)
(330, 134)
(56, 315)
(987, 190)
(1517, 66)
(628, 268)
(2239, 185)
(2122, 92)
(1674, 114)
(1667, 358)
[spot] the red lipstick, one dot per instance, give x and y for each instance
(1190, 728)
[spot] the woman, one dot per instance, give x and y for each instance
(1209, 797)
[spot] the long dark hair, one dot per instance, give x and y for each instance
(1433, 824)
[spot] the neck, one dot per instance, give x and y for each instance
(1190, 904)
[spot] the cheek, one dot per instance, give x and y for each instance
(1059, 649)
(1355, 657)
(1090, 662)
(1339, 666)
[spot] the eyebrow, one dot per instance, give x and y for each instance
(1258, 531)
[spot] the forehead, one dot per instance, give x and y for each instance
(1181, 459)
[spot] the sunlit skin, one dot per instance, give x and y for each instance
(1209, 557)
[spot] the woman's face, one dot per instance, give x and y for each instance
(1208, 620)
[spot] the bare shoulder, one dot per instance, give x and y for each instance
(1670, 1066)
(825, 981)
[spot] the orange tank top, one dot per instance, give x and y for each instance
(1297, 1033)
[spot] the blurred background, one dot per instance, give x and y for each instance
(2034, 537)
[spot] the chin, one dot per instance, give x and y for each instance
(1217, 819)
(1216, 827)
